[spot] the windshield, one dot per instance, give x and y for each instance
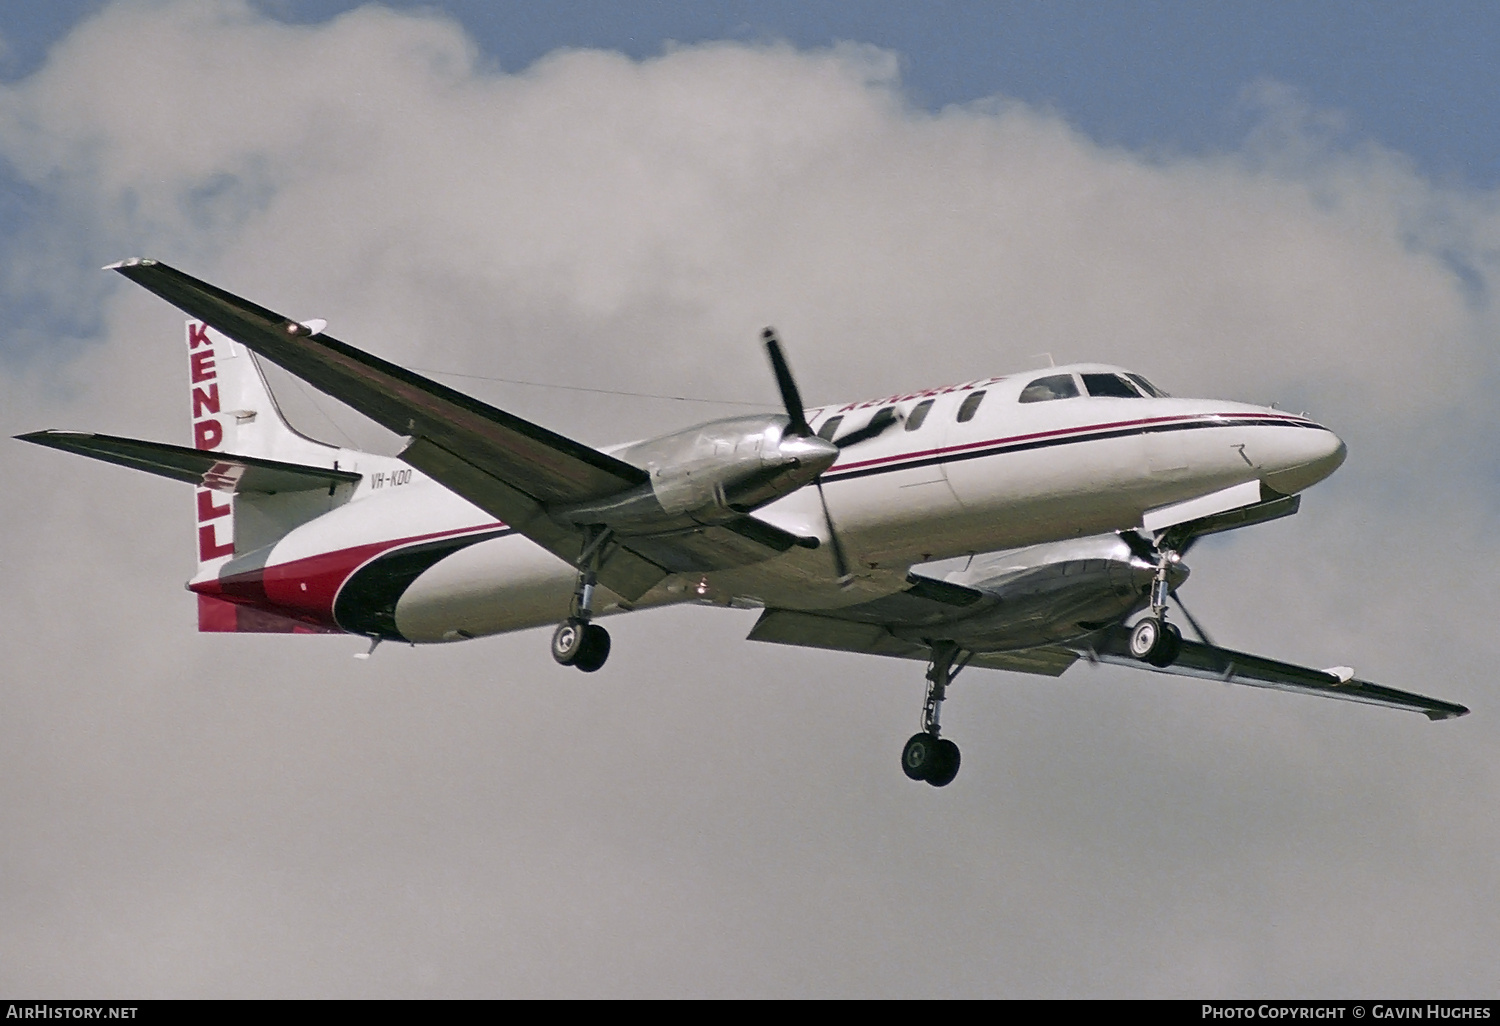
(1110, 385)
(1147, 387)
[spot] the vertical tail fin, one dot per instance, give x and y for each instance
(234, 411)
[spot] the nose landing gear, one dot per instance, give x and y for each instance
(926, 755)
(577, 642)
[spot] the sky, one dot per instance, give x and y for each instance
(1286, 203)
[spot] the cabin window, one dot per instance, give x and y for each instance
(1055, 386)
(1110, 386)
(829, 427)
(1147, 387)
(919, 414)
(970, 407)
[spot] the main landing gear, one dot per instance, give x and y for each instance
(577, 642)
(1153, 640)
(927, 756)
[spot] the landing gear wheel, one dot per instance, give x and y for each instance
(568, 640)
(945, 767)
(1170, 647)
(1156, 642)
(584, 645)
(920, 756)
(595, 648)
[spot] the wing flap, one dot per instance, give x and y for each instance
(1048, 662)
(809, 630)
(221, 471)
(812, 630)
(1199, 660)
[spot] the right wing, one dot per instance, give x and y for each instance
(1199, 660)
(928, 604)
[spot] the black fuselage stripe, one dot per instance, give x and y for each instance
(1046, 443)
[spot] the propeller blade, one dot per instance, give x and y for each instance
(1139, 546)
(790, 397)
(1193, 620)
(840, 564)
(1225, 664)
(883, 420)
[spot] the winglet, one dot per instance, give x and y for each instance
(128, 262)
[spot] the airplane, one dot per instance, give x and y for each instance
(1018, 522)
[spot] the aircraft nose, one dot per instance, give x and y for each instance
(1305, 456)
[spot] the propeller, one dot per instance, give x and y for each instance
(799, 427)
(790, 397)
(840, 563)
(1193, 620)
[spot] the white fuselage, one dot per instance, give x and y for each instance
(1013, 474)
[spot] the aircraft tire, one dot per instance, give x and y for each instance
(946, 766)
(1168, 647)
(919, 757)
(595, 648)
(568, 642)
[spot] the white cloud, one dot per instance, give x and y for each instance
(711, 817)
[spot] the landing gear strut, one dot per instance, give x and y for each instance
(1153, 640)
(577, 642)
(926, 755)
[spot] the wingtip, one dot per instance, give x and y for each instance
(128, 262)
(1446, 714)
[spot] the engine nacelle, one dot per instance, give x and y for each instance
(709, 474)
(1049, 594)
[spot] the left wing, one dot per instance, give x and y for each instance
(1199, 660)
(509, 467)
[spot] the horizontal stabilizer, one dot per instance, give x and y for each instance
(221, 471)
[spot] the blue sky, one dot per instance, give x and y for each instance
(1419, 78)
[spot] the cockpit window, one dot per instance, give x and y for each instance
(1147, 387)
(971, 405)
(1056, 386)
(829, 427)
(918, 414)
(1110, 385)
